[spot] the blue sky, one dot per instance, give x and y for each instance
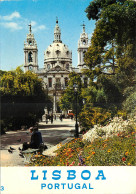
(16, 15)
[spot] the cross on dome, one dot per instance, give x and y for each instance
(57, 20)
(83, 26)
(30, 28)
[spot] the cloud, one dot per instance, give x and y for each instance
(10, 22)
(33, 23)
(36, 28)
(11, 25)
(11, 16)
(41, 27)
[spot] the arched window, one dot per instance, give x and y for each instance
(84, 42)
(48, 53)
(57, 52)
(30, 57)
(30, 42)
(67, 66)
(67, 53)
(50, 82)
(48, 66)
(84, 53)
(58, 83)
(66, 81)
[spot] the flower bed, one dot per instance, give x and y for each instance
(116, 147)
(116, 126)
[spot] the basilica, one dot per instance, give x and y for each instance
(57, 62)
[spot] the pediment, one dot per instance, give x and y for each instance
(57, 69)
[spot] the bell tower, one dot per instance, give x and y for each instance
(83, 45)
(30, 52)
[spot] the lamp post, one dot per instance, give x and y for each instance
(76, 125)
(54, 100)
(83, 101)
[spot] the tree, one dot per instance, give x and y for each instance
(22, 99)
(115, 19)
(112, 54)
(111, 59)
(68, 99)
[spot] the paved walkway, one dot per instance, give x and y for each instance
(52, 135)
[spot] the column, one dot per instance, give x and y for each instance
(78, 57)
(37, 57)
(54, 103)
(53, 81)
(25, 57)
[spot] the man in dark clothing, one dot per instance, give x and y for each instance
(36, 139)
(51, 118)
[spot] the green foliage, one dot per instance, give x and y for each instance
(111, 58)
(19, 83)
(129, 105)
(115, 29)
(122, 114)
(22, 99)
(115, 18)
(91, 116)
(68, 99)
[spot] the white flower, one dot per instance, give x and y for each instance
(116, 125)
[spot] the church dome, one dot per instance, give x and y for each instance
(57, 50)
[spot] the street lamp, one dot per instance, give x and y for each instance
(54, 96)
(83, 101)
(76, 125)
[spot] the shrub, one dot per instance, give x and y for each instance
(129, 105)
(122, 114)
(93, 116)
(116, 126)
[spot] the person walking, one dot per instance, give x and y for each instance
(51, 118)
(46, 119)
(61, 117)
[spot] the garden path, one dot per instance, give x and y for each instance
(52, 135)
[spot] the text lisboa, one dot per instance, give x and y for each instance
(71, 175)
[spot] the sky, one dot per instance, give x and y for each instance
(15, 17)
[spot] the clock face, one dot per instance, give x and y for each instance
(30, 67)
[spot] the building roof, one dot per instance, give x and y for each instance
(57, 51)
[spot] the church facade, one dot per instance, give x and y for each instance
(57, 62)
